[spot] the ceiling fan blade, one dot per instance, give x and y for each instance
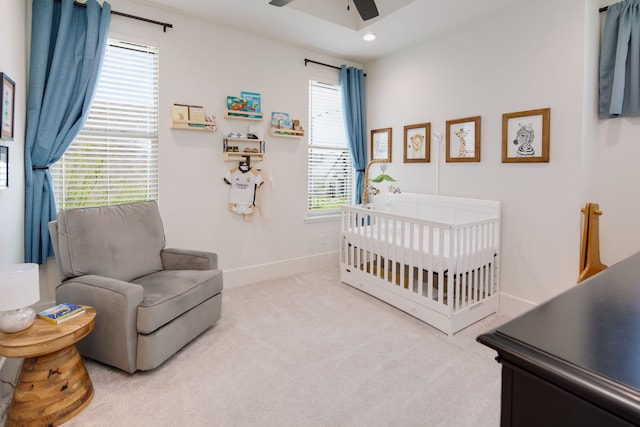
(280, 3)
(366, 8)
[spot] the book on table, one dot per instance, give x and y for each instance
(61, 312)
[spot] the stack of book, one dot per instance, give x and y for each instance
(61, 312)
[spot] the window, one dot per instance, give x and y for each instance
(330, 180)
(114, 159)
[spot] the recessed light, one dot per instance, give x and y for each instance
(369, 37)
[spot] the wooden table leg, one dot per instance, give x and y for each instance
(51, 389)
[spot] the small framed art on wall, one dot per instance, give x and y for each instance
(7, 107)
(463, 140)
(381, 144)
(525, 136)
(417, 143)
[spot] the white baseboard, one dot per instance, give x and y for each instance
(512, 306)
(256, 273)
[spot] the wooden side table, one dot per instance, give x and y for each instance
(53, 385)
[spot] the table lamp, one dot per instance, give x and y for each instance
(19, 288)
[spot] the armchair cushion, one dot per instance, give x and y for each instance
(169, 293)
(87, 238)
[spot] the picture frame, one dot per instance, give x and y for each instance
(381, 140)
(463, 140)
(417, 143)
(7, 107)
(4, 167)
(525, 136)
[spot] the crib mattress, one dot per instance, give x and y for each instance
(434, 252)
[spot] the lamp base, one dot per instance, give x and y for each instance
(17, 320)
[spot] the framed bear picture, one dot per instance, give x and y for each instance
(525, 136)
(417, 143)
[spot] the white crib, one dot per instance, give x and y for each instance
(434, 257)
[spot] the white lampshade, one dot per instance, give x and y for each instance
(19, 288)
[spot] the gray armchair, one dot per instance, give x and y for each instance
(150, 301)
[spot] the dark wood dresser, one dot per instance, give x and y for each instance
(575, 360)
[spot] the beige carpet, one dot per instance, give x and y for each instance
(307, 350)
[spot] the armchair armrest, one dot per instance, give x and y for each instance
(115, 336)
(183, 259)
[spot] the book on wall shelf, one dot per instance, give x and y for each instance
(281, 124)
(196, 114)
(252, 103)
(61, 313)
(235, 105)
(180, 115)
(246, 106)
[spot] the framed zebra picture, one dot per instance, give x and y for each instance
(525, 136)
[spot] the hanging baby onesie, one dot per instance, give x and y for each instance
(242, 195)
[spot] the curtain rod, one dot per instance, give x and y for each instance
(306, 61)
(164, 25)
(603, 9)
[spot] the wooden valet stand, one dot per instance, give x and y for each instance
(53, 385)
(590, 249)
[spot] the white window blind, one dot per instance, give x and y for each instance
(330, 179)
(114, 159)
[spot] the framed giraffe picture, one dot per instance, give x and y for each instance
(463, 140)
(525, 136)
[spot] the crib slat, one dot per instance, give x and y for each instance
(443, 283)
(460, 260)
(429, 268)
(473, 256)
(395, 246)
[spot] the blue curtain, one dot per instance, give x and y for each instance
(67, 49)
(620, 61)
(353, 107)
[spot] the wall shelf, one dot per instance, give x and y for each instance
(240, 157)
(189, 125)
(243, 115)
(253, 148)
(286, 133)
(192, 117)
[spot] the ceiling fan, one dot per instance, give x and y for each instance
(366, 8)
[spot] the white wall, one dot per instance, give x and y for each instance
(200, 64)
(528, 57)
(616, 157)
(13, 62)
(616, 191)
